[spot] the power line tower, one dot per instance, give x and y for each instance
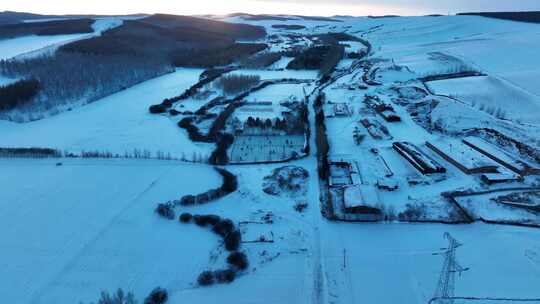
(446, 285)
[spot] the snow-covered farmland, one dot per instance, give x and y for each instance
(489, 94)
(117, 123)
(373, 263)
(71, 231)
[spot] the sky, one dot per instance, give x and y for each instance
(300, 7)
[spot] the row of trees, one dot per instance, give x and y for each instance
(259, 61)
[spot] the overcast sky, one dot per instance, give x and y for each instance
(304, 7)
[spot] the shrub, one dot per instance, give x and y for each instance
(219, 155)
(230, 183)
(224, 227)
(165, 210)
(157, 296)
(225, 276)
(212, 219)
(413, 212)
(238, 260)
(188, 200)
(119, 298)
(157, 109)
(206, 278)
(199, 220)
(232, 240)
(185, 217)
(300, 207)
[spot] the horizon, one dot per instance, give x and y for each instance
(273, 7)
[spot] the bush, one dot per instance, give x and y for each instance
(212, 219)
(238, 260)
(219, 155)
(199, 220)
(413, 212)
(185, 217)
(300, 207)
(232, 240)
(157, 109)
(230, 183)
(165, 210)
(119, 298)
(206, 278)
(188, 200)
(157, 296)
(224, 227)
(225, 276)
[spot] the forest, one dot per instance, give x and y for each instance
(58, 27)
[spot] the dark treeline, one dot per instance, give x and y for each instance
(321, 138)
(532, 17)
(290, 27)
(323, 58)
(232, 30)
(217, 56)
(30, 152)
(334, 38)
(259, 61)
(58, 27)
(18, 93)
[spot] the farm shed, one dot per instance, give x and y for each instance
(362, 200)
(500, 178)
(417, 158)
(500, 156)
(463, 157)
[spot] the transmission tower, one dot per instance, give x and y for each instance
(446, 285)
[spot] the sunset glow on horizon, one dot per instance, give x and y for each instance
(311, 8)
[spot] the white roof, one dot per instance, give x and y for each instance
(361, 195)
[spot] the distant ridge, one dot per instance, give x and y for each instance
(10, 17)
(528, 16)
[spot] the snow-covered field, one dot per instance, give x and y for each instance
(71, 231)
(374, 263)
(118, 123)
(492, 94)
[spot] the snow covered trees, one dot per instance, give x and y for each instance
(18, 93)
(66, 78)
(234, 84)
